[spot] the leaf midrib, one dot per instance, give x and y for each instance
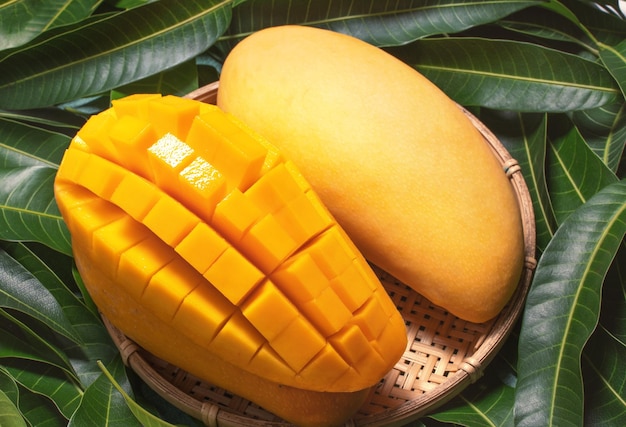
(505, 76)
(574, 305)
(119, 48)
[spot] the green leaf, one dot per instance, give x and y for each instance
(504, 74)
(614, 58)
(29, 158)
(102, 405)
(605, 380)
(23, 20)
(378, 23)
(14, 345)
(613, 315)
(570, 185)
(25, 145)
(9, 415)
(604, 130)
(34, 408)
(93, 343)
(562, 310)
(28, 211)
(97, 56)
(524, 137)
(48, 381)
(146, 418)
(178, 81)
(21, 291)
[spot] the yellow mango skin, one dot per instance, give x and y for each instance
(397, 163)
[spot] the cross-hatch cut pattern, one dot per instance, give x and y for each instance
(211, 228)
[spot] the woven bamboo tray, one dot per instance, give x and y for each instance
(445, 354)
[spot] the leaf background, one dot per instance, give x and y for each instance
(546, 76)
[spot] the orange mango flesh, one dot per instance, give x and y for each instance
(182, 213)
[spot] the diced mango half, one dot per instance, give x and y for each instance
(208, 226)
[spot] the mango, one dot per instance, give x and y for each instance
(203, 243)
(396, 161)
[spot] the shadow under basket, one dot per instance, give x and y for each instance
(444, 354)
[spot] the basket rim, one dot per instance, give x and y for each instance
(469, 371)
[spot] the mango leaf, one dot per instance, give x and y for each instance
(87, 59)
(28, 162)
(146, 418)
(179, 81)
(21, 291)
(48, 381)
(38, 412)
(378, 23)
(33, 408)
(94, 343)
(524, 136)
(102, 405)
(16, 346)
(605, 380)
(604, 130)
(568, 162)
(509, 75)
(23, 20)
(612, 54)
(570, 21)
(613, 315)
(614, 59)
(562, 310)
(547, 26)
(9, 414)
(28, 210)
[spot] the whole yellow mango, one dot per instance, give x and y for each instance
(396, 161)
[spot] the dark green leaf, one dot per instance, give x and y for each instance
(604, 130)
(23, 20)
(94, 342)
(25, 145)
(10, 415)
(613, 315)
(46, 380)
(524, 136)
(549, 28)
(96, 57)
(29, 158)
(562, 310)
(179, 81)
(605, 380)
(379, 23)
(21, 291)
(34, 408)
(511, 75)
(15, 345)
(28, 210)
(102, 405)
(146, 418)
(614, 58)
(570, 184)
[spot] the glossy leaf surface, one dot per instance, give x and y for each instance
(86, 59)
(378, 23)
(510, 75)
(563, 308)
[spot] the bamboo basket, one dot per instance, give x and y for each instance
(445, 354)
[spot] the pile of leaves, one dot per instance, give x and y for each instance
(547, 77)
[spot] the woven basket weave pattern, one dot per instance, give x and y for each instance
(444, 355)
